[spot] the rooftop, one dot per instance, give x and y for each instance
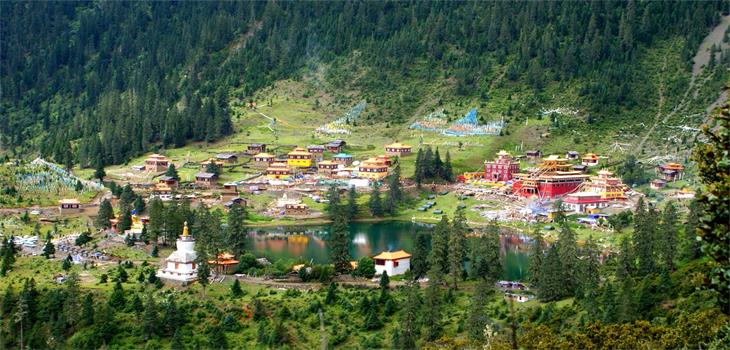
(399, 254)
(204, 175)
(342, 155)
(264, 155)
(225, 156)
(68, 201)
(397, 145)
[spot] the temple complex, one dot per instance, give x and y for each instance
(552, 178)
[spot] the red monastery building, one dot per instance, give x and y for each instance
(502, 168)
(552, 178)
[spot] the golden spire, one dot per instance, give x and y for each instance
(185, 230)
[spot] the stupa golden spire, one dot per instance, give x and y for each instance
(186, 232)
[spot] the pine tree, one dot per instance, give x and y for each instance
(690, 244)
(551, 277)
(627, 303)
(589, 272)
(568, 252)
(375, 203)
(172, 318)
(644, 238)
(625, 268)
(537, 256)
(236, 230)
(217, 338)
(384, 280)
(156, 221)
(331, 294)
(172, 172)
(333, 198)
(668, 240)
(437, 170)
(610, 309)
(8, 256)
(177, 342)
(488, 265)
(105, 214)
(419, 261)
(477, 315)
(125, 221)
(99, 173)
(448, 172)
(457, 247)
(66, 265)
(117, 299)
(203, 272)
(428, 170)
(87, 312)
(418, 174)
(139, 205)
(236, 291)
(395, 194)
(352, 208)
(340, 245)
(432, 308)
(49, 249)
(439, 259)
(150, 321)
(409, 323)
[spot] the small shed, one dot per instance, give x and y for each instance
(658, 184)
(336, 146)
(572, 155)
(228, 158)
(397, 149)
(317, 151)
(394, 263)
(256, 148)
(343, 158)
(296, 209)
(205, 179)
(69, 206)
(168, 180)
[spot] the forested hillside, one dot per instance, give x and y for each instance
(100, 82)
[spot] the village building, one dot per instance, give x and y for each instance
(296, 209)
(156, 163)
(228, 158)
(300, 158)
(167, 180)
(256, 148)
(204, 179)
(533, 155)
(572, 155)
(670, 172)
(589, 159)
(327, 167)
(657, 184)
(69, 206)
(204, 164)
(597, 193)
(397, 149)
(180, 266)
(230, 191)
(336, 146)
(552, 178)
(224, 263)
(385, 159)
(342, 158)
(161, 189)
(317, 151)
(238, 200)
(372, 169)
(501, 168)
(262, 160)
(394, 263)
(278, 171)
(579, 167)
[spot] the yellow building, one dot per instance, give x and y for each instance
(278, 171)
(299, 157)
(373, 169)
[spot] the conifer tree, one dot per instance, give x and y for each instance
(340, 245)
(437, 170)
(352, 207)
(236, 232)
(457, 247)
(536, 258)
(66, 265)
(419, 174)
(395, 194)
(419, 261)
(117, 298)
(627, 301)
(375, 203)
(8, 255)
(150, 321)
(644, 238)
(690, 248)
(432, 308)
(610, 309)
(105, 214)
(551, 277)
(409, 323)
(99, 173)
(478, 318)
(668, 236)
(172, 172)
(384, 280)
(125, 221)
(568, 252)
(589, 273)
(139, 205)
(87, 312)
(49, 249)
(203, 273)
(333, 205)
(439, 259)
(156, 222)
(625, 268)
(448, 171)
(236, 291)
(177, 342)
(172, 318)
(428, 170)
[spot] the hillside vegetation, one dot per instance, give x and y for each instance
(88, 83)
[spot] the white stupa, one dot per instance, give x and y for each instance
(180, 266)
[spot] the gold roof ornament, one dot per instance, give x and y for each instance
(186, 232)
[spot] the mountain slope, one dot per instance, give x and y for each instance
(91, 83)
